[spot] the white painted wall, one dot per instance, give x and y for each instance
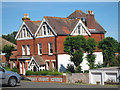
(64, 59)
(103, 75)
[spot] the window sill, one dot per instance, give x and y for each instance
(50, 54)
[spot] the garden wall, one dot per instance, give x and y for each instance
(78, 77)
(38, 78)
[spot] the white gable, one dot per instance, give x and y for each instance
(80, 29)
(45, 30)
(24, 32)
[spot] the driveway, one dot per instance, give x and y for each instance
(29, 84)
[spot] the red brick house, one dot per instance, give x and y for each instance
(40, 43)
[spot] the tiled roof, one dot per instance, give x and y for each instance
(77, 14)
(32, 25)
(61, 25)
(39, 59)
(64, 26)
(91, 22)
(5, 42)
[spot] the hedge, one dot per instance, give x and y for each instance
(43, 73)
(13, 69)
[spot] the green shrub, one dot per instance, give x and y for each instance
(43, 73)
(86, 71)
(7, 68)
(15, 70)
(78, 69)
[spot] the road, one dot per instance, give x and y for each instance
(29, 84)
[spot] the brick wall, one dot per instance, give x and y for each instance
(97, 37)
(38, 78)
(25, 42)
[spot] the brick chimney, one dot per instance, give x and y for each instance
(90, 19)
(26, 17)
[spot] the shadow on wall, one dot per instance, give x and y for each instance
(62, 68)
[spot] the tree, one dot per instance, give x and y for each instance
(90, 47)
(109, 46)
(7, 49)
(75, 46)
(10, 37)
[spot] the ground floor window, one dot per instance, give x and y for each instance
(47, 65)
(53, 64)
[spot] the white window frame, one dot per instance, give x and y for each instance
(28, 49)
(24, 32)
(50, 48)
(23, 49)
(44, 30)
(39, 53)
(13, 64)
(53, 64)
(47, 65)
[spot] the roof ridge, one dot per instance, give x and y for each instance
(55, 17)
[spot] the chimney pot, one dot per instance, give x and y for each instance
(89, 12)
(26, 17)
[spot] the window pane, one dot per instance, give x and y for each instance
(40, 48)
(50, 48)
(44, 30)
(23, 49)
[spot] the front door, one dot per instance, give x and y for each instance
(34, 69)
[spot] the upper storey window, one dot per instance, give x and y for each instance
(50, 46)
(44, 30)
(24, 32)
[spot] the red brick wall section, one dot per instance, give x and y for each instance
(56, 79)
(60, 46)
(44, 42)
(45, 50)
(3, 58)
(25, 42)
(97, 37)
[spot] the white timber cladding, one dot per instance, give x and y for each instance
(64, 60)
(103, 75)
(40, 49)
(44, 30)
(80, 29)
(24, 32)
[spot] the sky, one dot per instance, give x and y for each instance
(106, 13)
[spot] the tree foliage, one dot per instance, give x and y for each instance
(10, 37)
(109, 46)
(90, 47)
(7, 49)
(75, 46)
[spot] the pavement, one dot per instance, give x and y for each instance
(29, 84)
